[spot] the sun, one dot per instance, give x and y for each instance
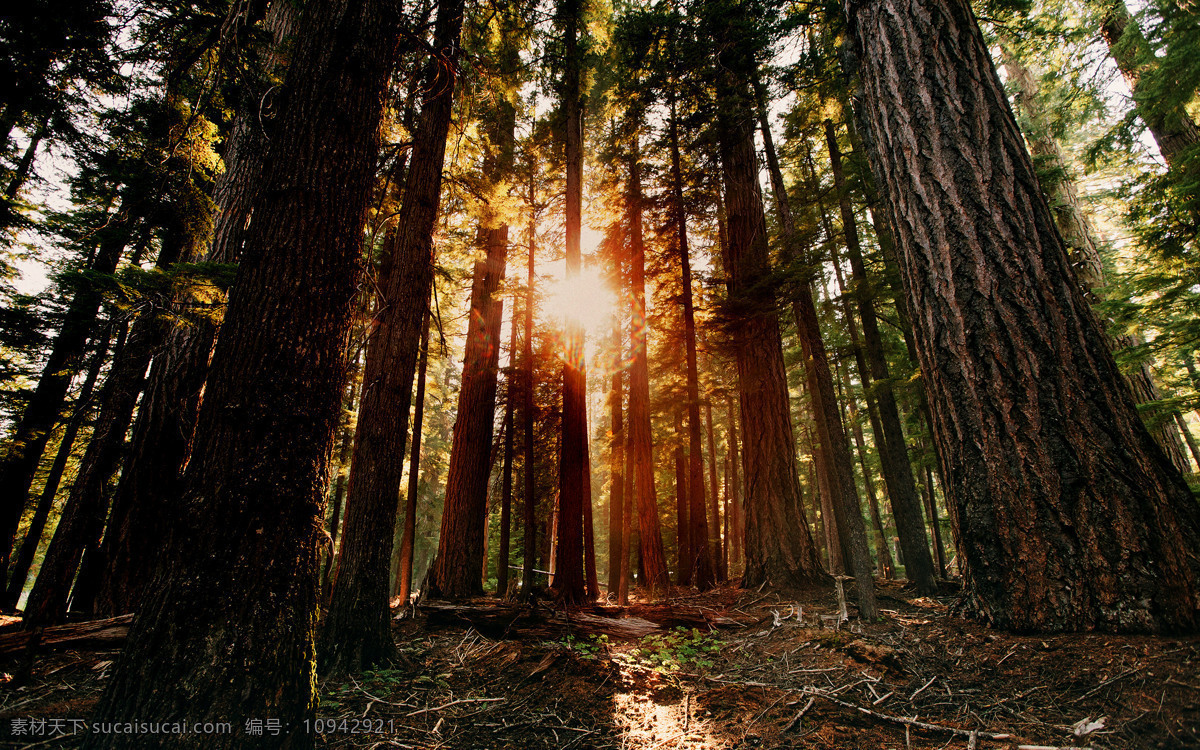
(584, 298)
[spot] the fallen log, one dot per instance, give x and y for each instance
(512, 621)
(92, 634)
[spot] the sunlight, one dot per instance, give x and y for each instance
(585, 299)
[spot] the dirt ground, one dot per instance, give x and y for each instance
(767, 673)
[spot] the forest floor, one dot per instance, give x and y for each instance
(765, 672)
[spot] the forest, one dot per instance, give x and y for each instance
(638, 374)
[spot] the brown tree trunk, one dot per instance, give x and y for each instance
(616, 472)
(506, 487)
(573, 464)
(462, 540)
(355, 634)
(735, 483)
(1068, 516)
(682, 530)
(641, 439)
(529, 541)
(250, 522)
(345, 443)
(408, 538)
(589, 540)
(893, 450)
(779, 549)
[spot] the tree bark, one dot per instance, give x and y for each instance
(616, 472)
(506, 489)
(779, 550)
(1067, 514)
(657, 580)
(356, 634)
(529, 461)
(225, 632)
(682, 530)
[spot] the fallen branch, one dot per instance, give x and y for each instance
(107, 633)
(453, 703)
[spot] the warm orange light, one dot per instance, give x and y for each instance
(584, 298)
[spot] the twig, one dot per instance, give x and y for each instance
(454, 703)
(1102, 685)
(801, 713)
(922, 689)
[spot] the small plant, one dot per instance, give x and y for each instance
(678, 648)
(585, 649)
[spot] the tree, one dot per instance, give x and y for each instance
(1067, 514)
(249, 524)
(356, 634)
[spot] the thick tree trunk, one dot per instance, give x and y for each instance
(250, 523)
(779, 550)
(682, 531)
(356, 633)
(572, 468)
(529, 540)
(735, 486)
(893, 450)
(408, 538)
(717, 544)
(1068, 516)
(641, 438)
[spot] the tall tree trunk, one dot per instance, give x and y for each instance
(356, 634)
(893, 450)
(682, 530)
(408, 538)
(345, 443)
(33, 535)
(735, 483)
(616, 472)
(250, 522)
(717, 545)
(506, 489)
(529, 541)
(641, 438)
(1068, 516)
(779, 549)
(1173, 129)
(572, 469)
(464, 518)
(589, 538)
(700, 564)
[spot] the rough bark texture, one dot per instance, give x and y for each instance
(355, 634)
(225, 632)
(529, 540)
(779, 550)
(735, 485)
(572, 467)
(1067, 514)
(506, 488)
(893, 450)
(461, 543)
(641, 437)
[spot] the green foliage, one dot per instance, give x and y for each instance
(588, 648)
(679, 648)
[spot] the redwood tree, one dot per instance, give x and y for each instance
(1067, 514)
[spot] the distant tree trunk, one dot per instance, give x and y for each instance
(356, 634)
(682, 530)
(345, 443)
(717, 546)
(25, 165)
(529, 540)
(893, 450)
(779, 550)
(589, 538)
(408, 537)
(649, 532)
(699, 561)
(1036, 431)
(572, 469)
(32, 429)
(250, 523)
(939, 551)
(1187, 437)
(37, 525)
(506, 489)
(616, 472)
(464, 517)
(1173, 129)
(82, 523)
(734, 483)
